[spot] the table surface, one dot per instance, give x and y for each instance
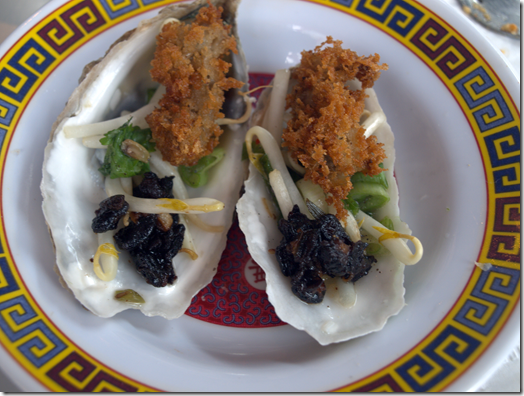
(507, 378)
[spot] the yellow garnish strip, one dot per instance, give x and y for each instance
(169, 205)
(389, 234)
(105, 261)
(192, 205)
(109, 249)
(241, 120)
(164, 205)
(175, 204)
(392, 240)
(163, 169)
(190, 252)
(272, 150)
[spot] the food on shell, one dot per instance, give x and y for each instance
(111, 96)
(331, 303)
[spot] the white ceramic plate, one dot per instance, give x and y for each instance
(453, 105)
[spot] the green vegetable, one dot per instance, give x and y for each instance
(351, 205)
(266, 165)
(129, 296)
(359, 177)
(263, 160)
(116, 163)
(374, 249)
(149, 94)
(388, 223)
(369, 196)
(256, 147)
(196, 175)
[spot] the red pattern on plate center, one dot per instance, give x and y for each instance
(237, 295)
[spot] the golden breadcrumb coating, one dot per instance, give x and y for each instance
(188, 63)
(324, 134)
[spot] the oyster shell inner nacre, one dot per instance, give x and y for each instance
(347, 310)
(72, 187)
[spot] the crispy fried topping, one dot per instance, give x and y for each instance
(188, 62)
(324, 133)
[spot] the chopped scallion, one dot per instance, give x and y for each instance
(116, 163)
(197, 175)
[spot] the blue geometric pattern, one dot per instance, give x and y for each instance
(7, 112)
(507, 142)
(495, 111)
(509, 174)
(7, 275)
(451, 343)
(126, 6)
(2, 138)
(504, 139)
(41, 337)
(498, 279)
(13, 85)
(503, 284)
(405, 16)
(18, 318)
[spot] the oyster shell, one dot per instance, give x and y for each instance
(72, 187)
(379, 295)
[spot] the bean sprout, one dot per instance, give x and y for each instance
(272, 150)
(392, 240)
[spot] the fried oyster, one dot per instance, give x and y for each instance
(324, 133)
(189, 63)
